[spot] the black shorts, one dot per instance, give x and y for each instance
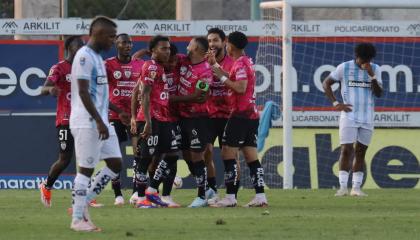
(123, 131)
(194, 132)
(216, 129)
(241, 132)
(162, 140)
(65, 139)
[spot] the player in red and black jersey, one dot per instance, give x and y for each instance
(242, 127)
(123, 72)
(217, 105)
(58, 84)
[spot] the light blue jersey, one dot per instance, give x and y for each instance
(88, 65)
(356, 90)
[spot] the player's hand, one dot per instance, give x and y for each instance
(54, 91)
(147, 130)
(124, 117)
(368, 67)
(140, 53)
(343, 107)
(199, 96)
(102, 129)
(133, 126)
(217, 71)
(211, 57)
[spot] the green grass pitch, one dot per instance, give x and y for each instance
(292, 214)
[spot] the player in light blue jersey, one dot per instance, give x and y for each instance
(360, 81)
(94, 137)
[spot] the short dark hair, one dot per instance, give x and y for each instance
(203, 43)
(217, 31)
(238, 39)
(101, 20)
(155, 40)
(69, 40)
(365, 51)
(122, 34)
(174, 50)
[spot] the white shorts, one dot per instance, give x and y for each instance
(351, 132)
(90, 149)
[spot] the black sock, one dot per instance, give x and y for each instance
(200, 171)
(141, 176)
(116, 186)
(231, 176)
(135, 161)
(162, 171)
(257, 176)
(169, 180)
(50, 181)
(238, 185)
(190, 167)
(212, 183)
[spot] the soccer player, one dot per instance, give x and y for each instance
(242, 127)
(157, 135)
(195, 76)
(218, 104)
(58, 84)
(122, 72)
(94, 137)
(360, 81)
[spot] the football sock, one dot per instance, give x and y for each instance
(81, 183)
(231, 176)
(212, 183)
(200, 171)
(141, 176)
(99, 182)
(343, 178)
(257, 176)
(116, 186)
(169, 180)
(357, 180)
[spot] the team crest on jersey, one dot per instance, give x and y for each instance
(152, 74)
(117, 75)
(127, 73)
(183, 70)
(68, 79)
(164, 79)
(63, 145)
(82, 61)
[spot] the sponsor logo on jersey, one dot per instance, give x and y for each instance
(360, 84)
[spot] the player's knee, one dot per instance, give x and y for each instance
(346, 150)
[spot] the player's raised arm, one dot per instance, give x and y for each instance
(373, 76)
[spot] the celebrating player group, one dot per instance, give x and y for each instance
(169, 106)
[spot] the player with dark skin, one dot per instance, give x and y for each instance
(350, 150)
(72, 44)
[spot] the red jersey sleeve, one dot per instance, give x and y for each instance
(241, 72)
(54, 74)
(149, 74)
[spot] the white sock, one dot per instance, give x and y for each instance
(260, 196)
(231, 197)
(151, 190)
(81, 183)
(343, 177)
(357, 180)
(99, 182)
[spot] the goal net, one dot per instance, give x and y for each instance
(318, 47)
